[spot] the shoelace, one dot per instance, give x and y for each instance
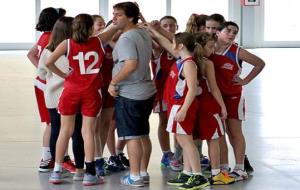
(190, 180)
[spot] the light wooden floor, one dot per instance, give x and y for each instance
(272, 129)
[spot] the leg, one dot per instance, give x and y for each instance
(111, 141)
(163, 135)
(78, 144)
(147, 149)
(135, 153)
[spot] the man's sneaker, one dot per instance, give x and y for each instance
(114, 164)
(248, 168)
(69, 165)
(176, 165)
(166, 159)
(238, 175)
(221, 178)
(204, 161)
(100, 166)
(89, 180)
(78, 176)
(195, 182)
(55, 177)
(123, 159)
(46, 165)
(126, 180)
(179, 180)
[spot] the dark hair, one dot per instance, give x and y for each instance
(168, 17)
(48, 17)
(187, 39)
(216, 17)
(97, 16)
(130, 9)
(226, 24)
(82, 28)
(195, 22)
(62, 30)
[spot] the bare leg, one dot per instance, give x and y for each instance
(147, 149)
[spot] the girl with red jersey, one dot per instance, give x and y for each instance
(81, 91)
(227, 63)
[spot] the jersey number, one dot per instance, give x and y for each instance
(90, 69)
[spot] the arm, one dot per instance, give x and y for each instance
(252, 59)
(108, 33)
(33, 55)
(50, 62)
(211, 78)
(42, 70)
(129, 67)
(190, 74)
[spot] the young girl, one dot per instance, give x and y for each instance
(81, 91)
(46, 21)
(211, 109)
(227, 65)
(62, 30)
(196, 23)
(180, 94)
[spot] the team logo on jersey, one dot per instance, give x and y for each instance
(172, 74)
(227, 66)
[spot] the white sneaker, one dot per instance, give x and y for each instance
(239, 175)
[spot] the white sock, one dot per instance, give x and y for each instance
(197, 173)
(187, 172)
(215, 172)
(57, 167)
(46, 154)
(239, 167)
(135, 177)
(144, 173)
(224, 167)
(166, 152)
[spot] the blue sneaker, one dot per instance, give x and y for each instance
(100, 166)
(89, 180)
(204, 161)
(55, 177)
(126, 180)
(166, 159)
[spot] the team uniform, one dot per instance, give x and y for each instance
(82, 86)
(160, 68)
(175, 93)
(228, 68)
(209, 124)
(106, 71)
(40, 84)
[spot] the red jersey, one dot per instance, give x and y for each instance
(107, 66)
(85, 61)
(176, 88)
(43, 42)
(227, 68)
(160, 68)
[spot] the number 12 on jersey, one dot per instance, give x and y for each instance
(91, 68)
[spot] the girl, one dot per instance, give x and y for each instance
(211, 109)
(81, 91)
(180, 94)
(227, 65)
(46, 21)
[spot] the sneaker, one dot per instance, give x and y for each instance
(123, 159)
(55, 177)
(176, 165)
(126, 180)
(69, 165)
(248, 168)
(100, 166)
(166, 159)
(239, 175)
(146, 179)
(114, 164)
(179, 180)
(78, 176)
(204, 161)
(46, 165)
(89, 180)
(195, 182)
(206, 170)
(221, 178)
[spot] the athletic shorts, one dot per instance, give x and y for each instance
(235, 105)
(39, 86)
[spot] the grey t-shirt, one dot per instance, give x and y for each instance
(134, 44)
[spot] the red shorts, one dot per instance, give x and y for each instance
(209, 124)
(87, 103)
(159, 106)
(235, 105)
(185, 127)
(107, 100)
(39, 86)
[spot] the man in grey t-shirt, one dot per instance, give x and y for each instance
(134, 91)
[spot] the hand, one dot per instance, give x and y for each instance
(180, 115)
(113, 90)
(223, 113)
(238, 81)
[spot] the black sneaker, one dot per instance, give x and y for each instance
(123, 159)
(248, 168)
(114, 164)
(179, 180)
(195, 182)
